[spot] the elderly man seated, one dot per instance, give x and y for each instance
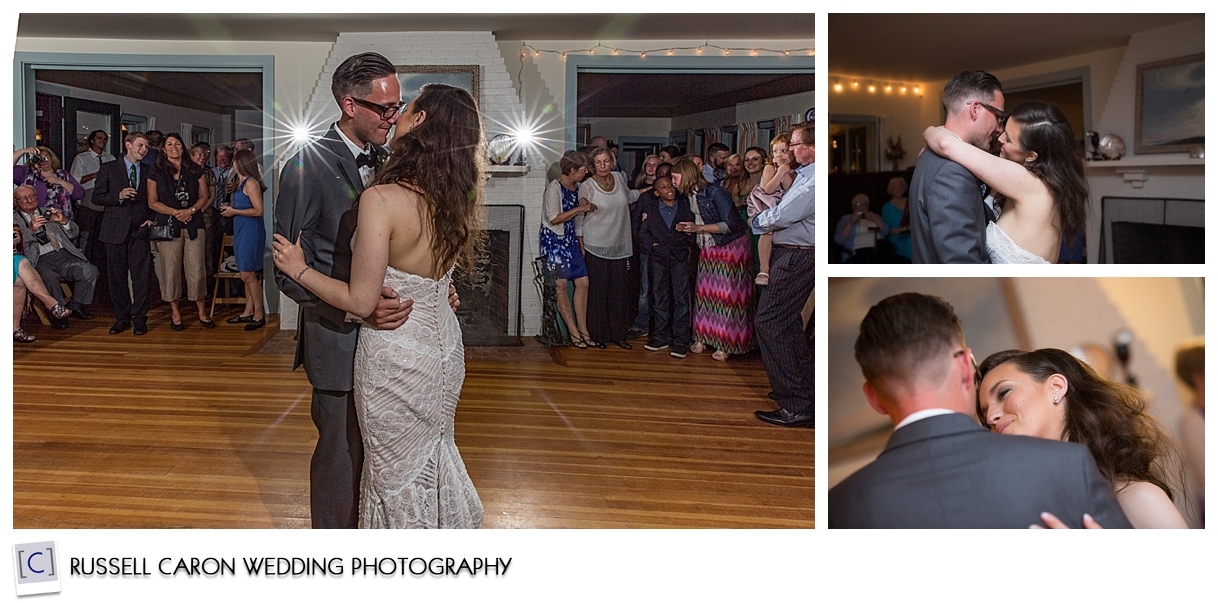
(47, 235)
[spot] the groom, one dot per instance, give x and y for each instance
(940, 469)
(318, 192)
(947, 215)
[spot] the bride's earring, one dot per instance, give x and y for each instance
(1056, 399)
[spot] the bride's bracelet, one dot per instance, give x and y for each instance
(301, 273)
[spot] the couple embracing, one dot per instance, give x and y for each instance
(969, 205)
(361, 232)
(1057, 443)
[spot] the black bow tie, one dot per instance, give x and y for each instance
(367, 159)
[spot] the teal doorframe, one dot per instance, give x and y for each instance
(680, 64)
(24, 112)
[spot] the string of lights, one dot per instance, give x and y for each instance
(870, 86)
(705, 48)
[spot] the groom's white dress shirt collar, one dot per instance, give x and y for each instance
(922, 414)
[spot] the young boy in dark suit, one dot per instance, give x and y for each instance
(670, 278)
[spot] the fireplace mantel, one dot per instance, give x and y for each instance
(1136, 170)
(507, 170)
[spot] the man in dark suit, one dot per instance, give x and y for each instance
(947, 216)
(940, 469)
(318, 191)
(122, 188)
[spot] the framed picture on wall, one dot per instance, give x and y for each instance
(1169, 116)
(414, 77)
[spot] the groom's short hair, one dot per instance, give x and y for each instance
(355, 75)
(968, 85)
(901, 332)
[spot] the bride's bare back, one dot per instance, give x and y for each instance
(400, 214)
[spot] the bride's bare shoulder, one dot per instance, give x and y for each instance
(1148, 506)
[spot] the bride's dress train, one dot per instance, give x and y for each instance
(407, 382)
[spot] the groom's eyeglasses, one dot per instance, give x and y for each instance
(976, 370)
(999, 114)
(386, 111)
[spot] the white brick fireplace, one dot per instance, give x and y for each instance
(500, 105)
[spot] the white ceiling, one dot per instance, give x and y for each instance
(933, 47)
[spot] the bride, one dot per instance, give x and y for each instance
(1038, 177)
(1052, 395)
(419, 220)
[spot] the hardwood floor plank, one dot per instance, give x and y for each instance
(211, 429)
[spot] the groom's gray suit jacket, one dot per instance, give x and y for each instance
(319, 188)
(947, 216)
(947, 471)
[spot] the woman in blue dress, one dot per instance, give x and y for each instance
(249, 236)
(562, 211)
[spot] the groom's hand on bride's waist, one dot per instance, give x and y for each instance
(392, 311)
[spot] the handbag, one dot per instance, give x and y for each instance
(161, 229)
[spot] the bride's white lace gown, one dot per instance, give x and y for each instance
(407, 382)
(1004, 251)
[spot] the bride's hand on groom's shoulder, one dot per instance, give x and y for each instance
(1053, 523)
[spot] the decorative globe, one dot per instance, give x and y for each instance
(500, 148)
(1111, 146)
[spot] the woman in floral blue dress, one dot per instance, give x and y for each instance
(562, 212)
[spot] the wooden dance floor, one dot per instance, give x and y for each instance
(211, 429)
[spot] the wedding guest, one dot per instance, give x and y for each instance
(754, 165)
(670, 252)
(716, 155)
(896, 217)
(859, 231)
(669, 154)
(735, 180)
(607, 250)
(785, 347)
(563, 213)
(776, 179)
(199, 154)
(723, 306)
(47, 237)
(84, 169)
(249, 236)
(27, 281)
(55, 187)
(122, 187)
(647, 173)
(1052, 395)
(174, 192)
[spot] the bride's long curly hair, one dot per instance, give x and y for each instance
(1109, 418)
(442, 160)
(1058, 163)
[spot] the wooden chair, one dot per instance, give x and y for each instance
(222, 277)
(41, 311)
